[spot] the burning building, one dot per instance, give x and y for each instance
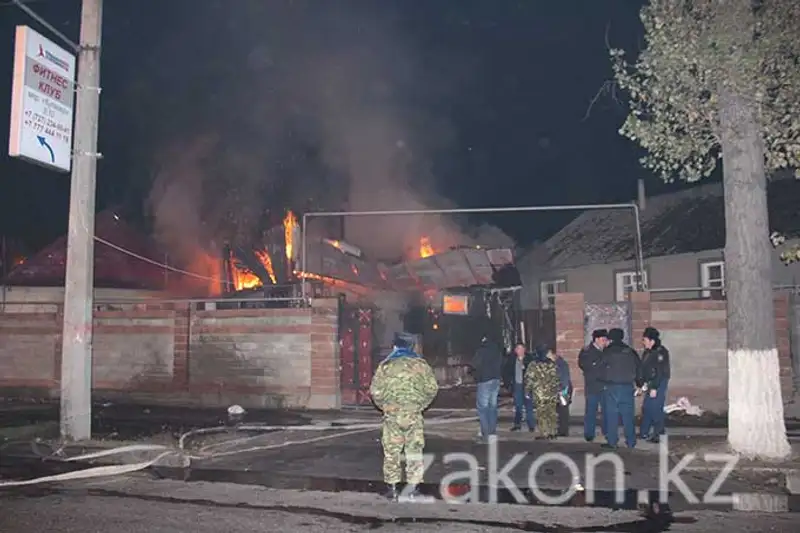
(448, 297)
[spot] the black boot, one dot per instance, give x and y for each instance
(391, 492)
(412, 494)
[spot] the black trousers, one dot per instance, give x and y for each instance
(563, 420)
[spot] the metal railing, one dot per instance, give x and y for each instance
(153, 304)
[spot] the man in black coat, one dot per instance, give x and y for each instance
(487, 369)
(590, 363)
(621, 374)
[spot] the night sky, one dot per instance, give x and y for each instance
(511, 80)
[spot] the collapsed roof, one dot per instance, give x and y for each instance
(457, 268)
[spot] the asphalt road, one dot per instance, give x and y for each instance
(136, 504)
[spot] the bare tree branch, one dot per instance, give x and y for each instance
(608, 87)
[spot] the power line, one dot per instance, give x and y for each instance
(156, 263)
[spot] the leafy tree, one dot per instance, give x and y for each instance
(720, 79)
(789, 253)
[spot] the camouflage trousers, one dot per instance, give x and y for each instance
(403, 432)
(547, 416)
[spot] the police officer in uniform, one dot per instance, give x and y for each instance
(590, 363)
(655, 374)
(403, 386)
(621, 375)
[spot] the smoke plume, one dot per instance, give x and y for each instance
(308, 106)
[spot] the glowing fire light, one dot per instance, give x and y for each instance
(244, 279)
(425, 247)
(266, 260)
(317, 277)
(289, 225)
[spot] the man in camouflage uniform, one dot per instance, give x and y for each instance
(542, 383)
(404, 386)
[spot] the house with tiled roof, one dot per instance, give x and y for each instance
(683, 241)
(127, 266)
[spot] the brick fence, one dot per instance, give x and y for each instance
(251, 357)
(694, 331)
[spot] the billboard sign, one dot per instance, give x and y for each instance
(42, 101)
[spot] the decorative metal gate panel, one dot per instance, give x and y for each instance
(357, 354)
(607, 316)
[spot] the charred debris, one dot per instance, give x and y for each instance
(449, 295)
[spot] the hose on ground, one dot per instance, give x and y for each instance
(185, 458)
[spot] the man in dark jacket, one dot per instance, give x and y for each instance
(514, 379)
(590, 363)
(487, 369)
(655, 374)
(622, 372)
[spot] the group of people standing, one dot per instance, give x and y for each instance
(404, 385)
(614, 375)
(539, 382)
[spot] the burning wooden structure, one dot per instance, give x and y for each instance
(449, 298)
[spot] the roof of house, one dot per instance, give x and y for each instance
(688, 221)
(112, 268)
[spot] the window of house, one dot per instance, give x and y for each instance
(627, 282)
(549, 289)
(713, 275)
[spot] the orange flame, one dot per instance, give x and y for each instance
(289, 225)
(19, 260)
(324, 279)
(243, 278)
(425, 247)
(266, 260)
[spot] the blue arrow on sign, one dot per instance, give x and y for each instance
(43, 142)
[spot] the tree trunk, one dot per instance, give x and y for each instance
(756, 426)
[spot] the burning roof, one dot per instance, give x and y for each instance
(330, 261)
(112, 267)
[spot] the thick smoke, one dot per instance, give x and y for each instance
(312, 106)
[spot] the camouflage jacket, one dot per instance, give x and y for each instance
(542, 381)
(404, 381)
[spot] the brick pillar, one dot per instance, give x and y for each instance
(783, 342)
(640, 315)
(180, 362)
(326, 390)
(570, 334)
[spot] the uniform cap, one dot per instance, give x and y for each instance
(651, 333)
(403, 339)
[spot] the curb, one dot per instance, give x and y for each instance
(29, 432)
(792, 481)
(762, 503)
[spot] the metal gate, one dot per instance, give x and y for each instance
(607, 316)
(358, 350)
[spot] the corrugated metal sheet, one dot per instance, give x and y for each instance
(452, 269)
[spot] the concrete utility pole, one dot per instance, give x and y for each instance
(76, 352)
